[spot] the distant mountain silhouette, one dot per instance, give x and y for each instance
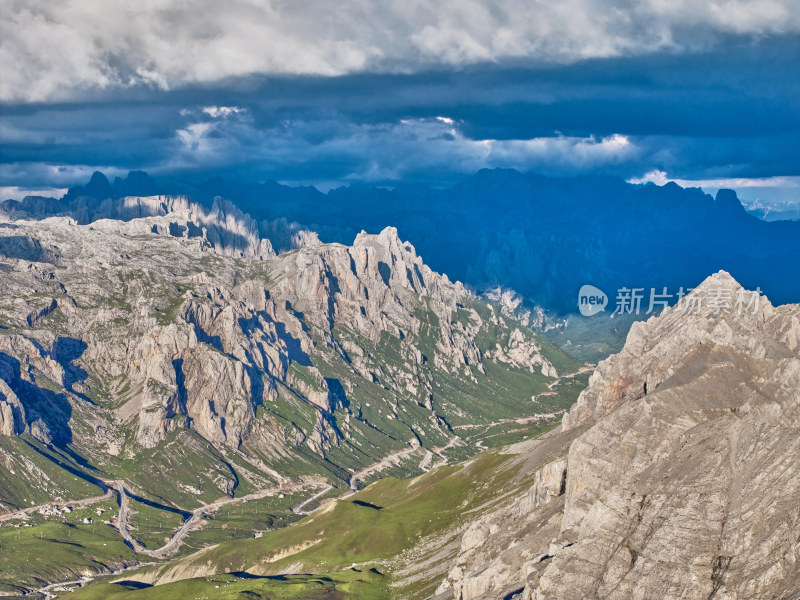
(137, 183)
(542, 236)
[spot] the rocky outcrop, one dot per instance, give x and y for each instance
(25, 247)
(679, 466)
(223, 228)
(522, 352)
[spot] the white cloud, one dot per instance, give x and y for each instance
(216, 112)
(55, 50)
(386, 152)
(661, 178)
(573, 153)
(214, 135)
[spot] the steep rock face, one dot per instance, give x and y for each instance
(686, 491)
(219, 395)
(224, 228)
(12, 412)
(25, 406)
(521, 352)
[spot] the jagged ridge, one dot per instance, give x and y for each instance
(142, 330)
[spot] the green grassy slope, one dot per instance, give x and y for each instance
(351, 584)
(360, 537)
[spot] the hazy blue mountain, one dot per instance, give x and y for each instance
(784, 212)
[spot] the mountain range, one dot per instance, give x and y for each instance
(190, 408)
(170, 354)
(542, 237)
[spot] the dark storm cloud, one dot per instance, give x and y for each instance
(729, 112)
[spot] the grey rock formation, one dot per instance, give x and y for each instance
(675, 475)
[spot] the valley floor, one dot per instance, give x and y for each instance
(30, 523)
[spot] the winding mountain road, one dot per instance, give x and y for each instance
(298, 508)
(172, 546)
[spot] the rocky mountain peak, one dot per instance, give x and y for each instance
(98, 186)
(719, 313)
(728, 201)
(675, 471)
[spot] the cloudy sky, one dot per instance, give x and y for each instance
(326, 93)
